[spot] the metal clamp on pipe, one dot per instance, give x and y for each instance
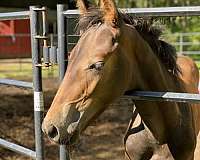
(39, 9)
(53, 51)
(44, 22)
(40, 37)
(46, 57)
(53, 54)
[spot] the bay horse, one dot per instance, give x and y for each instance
(117, 53)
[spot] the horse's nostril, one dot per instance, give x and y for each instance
(52, 132)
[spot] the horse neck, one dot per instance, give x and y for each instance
(150, 74)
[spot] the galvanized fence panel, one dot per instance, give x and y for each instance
(36, 86)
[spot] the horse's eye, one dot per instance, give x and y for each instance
(97, 66)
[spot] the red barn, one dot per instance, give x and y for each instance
(15, 39)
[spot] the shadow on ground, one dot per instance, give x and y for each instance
(101, 142)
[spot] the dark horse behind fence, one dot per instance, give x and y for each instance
(118, 53)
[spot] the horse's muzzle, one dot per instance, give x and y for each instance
(61, 134)
(51, 131)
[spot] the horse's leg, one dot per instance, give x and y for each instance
(137, 147)
(141, 145)
(136, 141)
(162, 153)
(183, 150)
(183, 153)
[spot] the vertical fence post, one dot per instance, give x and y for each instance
(62, 59)
(62, 44)
(37, 82)
(181, 43)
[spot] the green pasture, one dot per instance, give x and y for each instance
(198, 64)
(23, 69)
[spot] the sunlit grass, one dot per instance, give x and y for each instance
(23, 70)
(198, 64)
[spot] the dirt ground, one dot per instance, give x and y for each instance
(104, 141)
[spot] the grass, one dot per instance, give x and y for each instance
(198, 64)
(23, 69)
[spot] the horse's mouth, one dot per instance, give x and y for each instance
(71, 140)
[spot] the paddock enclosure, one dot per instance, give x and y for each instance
(58, 54)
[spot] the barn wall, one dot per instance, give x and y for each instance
(15, 39)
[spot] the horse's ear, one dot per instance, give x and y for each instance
(109, 9)
(83, 6)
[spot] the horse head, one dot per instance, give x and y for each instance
(97, 73)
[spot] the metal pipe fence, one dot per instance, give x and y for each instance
(15, 15)
(185, 43)
(62, 58)
(151, 12)
(38, 35)
(38, 154)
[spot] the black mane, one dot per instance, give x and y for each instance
(149, 32)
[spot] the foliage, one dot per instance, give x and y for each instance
(171, 24)
(179, 24)
(157, 3)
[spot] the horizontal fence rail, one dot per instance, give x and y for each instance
(158, 12)
(17, 148)
(164, 96)
(15, 15)
(185, 43)
(16, 83)
(191, 52)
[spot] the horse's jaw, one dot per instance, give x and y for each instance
(90, 111)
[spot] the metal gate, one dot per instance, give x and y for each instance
(33, 15)
(43, 55)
